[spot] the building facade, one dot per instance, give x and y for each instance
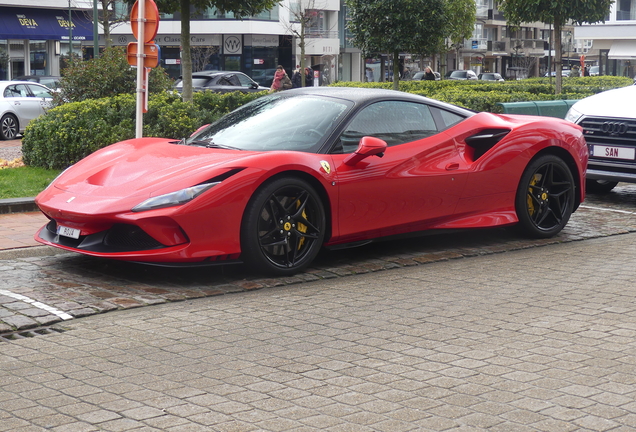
(35, 35)
(612, 45)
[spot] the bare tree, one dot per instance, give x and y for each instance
(301, 16)
(201, 56)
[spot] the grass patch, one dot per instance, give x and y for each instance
(24, 182)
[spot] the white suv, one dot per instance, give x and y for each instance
(609, 126)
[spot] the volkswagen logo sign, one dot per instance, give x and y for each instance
(614, 128)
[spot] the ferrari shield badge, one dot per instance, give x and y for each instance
(325, 166)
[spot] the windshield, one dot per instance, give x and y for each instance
(275, 122)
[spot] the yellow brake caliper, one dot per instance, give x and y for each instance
(533, 182)
(301, 227)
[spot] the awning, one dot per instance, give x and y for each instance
(47, 24)
(623, 50)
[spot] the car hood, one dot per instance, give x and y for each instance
(146, 167)
(611, 103)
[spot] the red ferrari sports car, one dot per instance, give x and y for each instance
(272, 182)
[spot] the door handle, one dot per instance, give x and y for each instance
(452, 166)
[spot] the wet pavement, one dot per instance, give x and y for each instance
(533, 339)
(42, 286)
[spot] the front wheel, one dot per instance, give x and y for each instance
(8, 127)
(545, 197)
(283, 227)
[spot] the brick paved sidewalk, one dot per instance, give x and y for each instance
(538, 339)
(17, 229)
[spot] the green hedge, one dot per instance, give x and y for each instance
(72, 131)
(484, 95)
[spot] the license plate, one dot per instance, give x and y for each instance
(68, 232)
(613, 152)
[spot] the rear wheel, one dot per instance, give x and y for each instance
(283, 227)
(545, 197)
(8, 127)
(599, 186)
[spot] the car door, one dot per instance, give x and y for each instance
(25, 106)
(42, 94)
(419, 179)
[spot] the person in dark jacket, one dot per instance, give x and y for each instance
(296, 78)
(428, 74)
(309, 77)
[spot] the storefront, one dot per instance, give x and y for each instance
(33, 40)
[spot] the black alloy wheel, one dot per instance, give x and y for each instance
(545, 197)
(8, 127)
(283, 227)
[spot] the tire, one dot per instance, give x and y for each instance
(283, 227)
(9, 127)
(545, 197)
(599, 186)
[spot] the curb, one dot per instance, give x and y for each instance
(17, 205)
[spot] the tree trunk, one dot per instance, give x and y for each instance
(303, 79)
(558, 55)
(396, 70)
(186, 55)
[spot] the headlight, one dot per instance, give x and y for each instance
(573, 115)
(174, 198)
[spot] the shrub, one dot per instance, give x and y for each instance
(72, 131)
(108, 75)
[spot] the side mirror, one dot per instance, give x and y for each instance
(254, 85)
(369, 146)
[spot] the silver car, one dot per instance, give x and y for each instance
(21, 102)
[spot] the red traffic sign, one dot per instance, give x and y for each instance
(150, 20)
(151, 54)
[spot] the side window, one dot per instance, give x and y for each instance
(395, 122)
(224, 81)
(449, 118)
(245, 81)
(39, 92)
(11, 92)
(233, 80)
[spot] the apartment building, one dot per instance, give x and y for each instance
(520, 52)
(612, 45)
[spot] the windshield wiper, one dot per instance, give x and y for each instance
(206, 144)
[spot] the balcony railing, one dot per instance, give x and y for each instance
(497, 46)
(494, 14)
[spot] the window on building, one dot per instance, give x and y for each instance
(626, 10)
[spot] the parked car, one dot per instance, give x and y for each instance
(418, 76)
(564, 73)
(608, 120)
(221, 82)
(21, 102)
(594, 70)
(50, 81)
(274, 181)
(461, 75)
(491, 76)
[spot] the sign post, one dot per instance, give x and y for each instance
(144, 18)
